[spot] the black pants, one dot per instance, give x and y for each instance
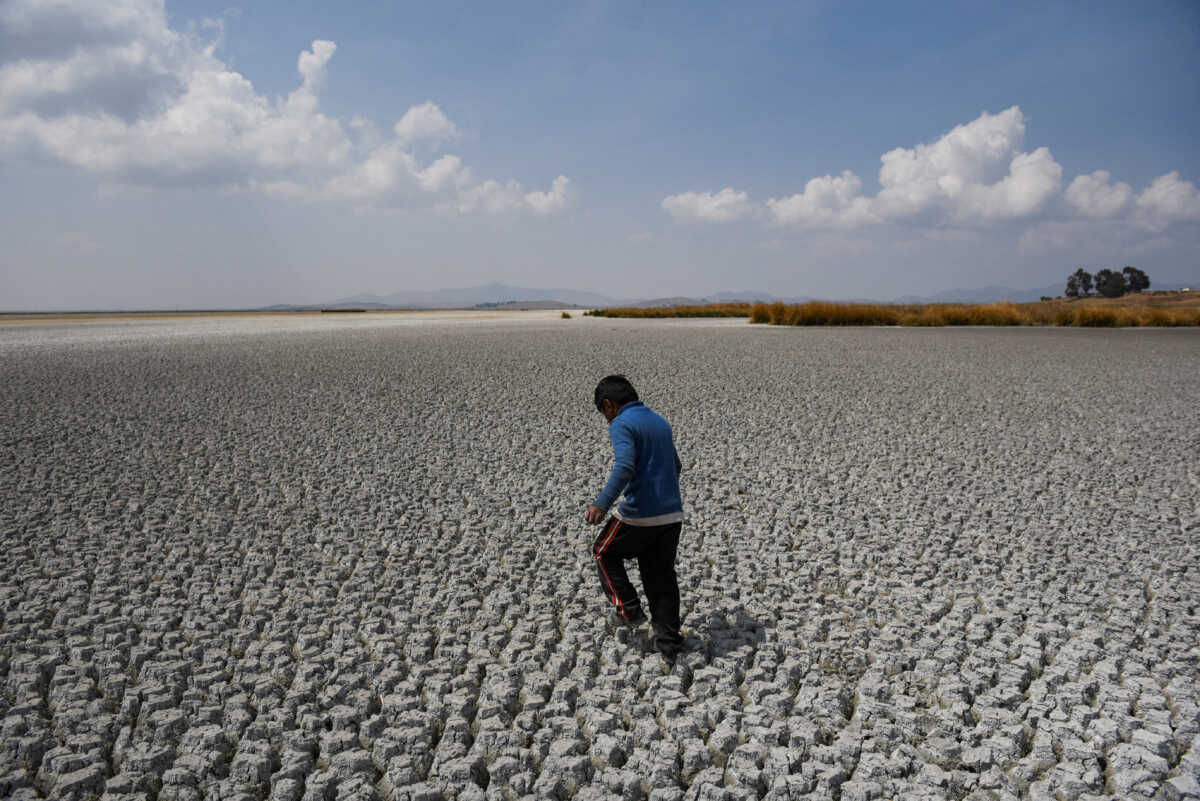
(654, 547)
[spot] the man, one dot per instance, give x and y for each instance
(646, 525)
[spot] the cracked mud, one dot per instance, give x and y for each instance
(350, 563)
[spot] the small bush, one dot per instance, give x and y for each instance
(1095, 317)
(1158, 318)
(820, 313)
(964, 314)
(566, 315)
(1000, 314)
(1128, 318)
(1187, 317)
(1064, 316)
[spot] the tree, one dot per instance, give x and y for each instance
(1072, 286)
(1136, 279)
(1083, 283)
(1110, 283)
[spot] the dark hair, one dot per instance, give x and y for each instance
(615, 388)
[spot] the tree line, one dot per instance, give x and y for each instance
(1109, 283)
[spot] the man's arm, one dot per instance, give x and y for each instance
(624, 458)
(678, 464)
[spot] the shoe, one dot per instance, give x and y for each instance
(669, 647)
(669, 653)
(617, 621)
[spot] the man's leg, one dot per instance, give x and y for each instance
(610, 550)
(657, 565)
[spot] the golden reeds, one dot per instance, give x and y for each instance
(1083, 315)
(987, 314)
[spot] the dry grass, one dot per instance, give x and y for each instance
(1146, 309)
(1089, 313)
(707, 310)
(821, 313)
(989, 314)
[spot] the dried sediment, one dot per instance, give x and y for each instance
(334, 564)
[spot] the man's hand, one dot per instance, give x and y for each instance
(595, 515)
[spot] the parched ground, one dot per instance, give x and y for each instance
(336, 560)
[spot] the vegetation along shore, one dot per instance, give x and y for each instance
(1159, 309)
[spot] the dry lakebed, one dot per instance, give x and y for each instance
(343, 557)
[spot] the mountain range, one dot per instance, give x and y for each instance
(474, 296)
(506, 295)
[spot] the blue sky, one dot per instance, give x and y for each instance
(188, 155)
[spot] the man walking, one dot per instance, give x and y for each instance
(646, 525)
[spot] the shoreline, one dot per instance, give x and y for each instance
(340, 315)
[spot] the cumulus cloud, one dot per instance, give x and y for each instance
(118, 57)
(1094, 196)
(726, 205)
(825, 201)
(425, 121)
(1032, 179)
(1169, 199)
(311, 64)
(495, 198)
(555, 200)
(446, 172)
(953, 173)
(110, 88)
(976, 174)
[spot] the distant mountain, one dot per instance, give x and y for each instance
(507, 296)
(674, 300)
(527, 305)
(746, 296)
(721, 297)
(986, 294)
(502, 295)
(475, 295)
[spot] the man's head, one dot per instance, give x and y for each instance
(613, 392)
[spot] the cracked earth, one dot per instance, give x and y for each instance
(347, 561)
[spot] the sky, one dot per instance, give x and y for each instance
(207, 155)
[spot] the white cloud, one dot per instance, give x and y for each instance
(1094, 196)
(1033, 178)
(425, 121)
(110, 88)
(446, 172)
(116, 56)
(493, 197)
(726, 205)
(944, 172)
(311, 64)
(1169, 199)
(555, 200)
(826, 201)
(384, 177)
(976, 174)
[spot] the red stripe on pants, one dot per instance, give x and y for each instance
(613, 527)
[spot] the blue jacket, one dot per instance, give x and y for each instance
(646, 468)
